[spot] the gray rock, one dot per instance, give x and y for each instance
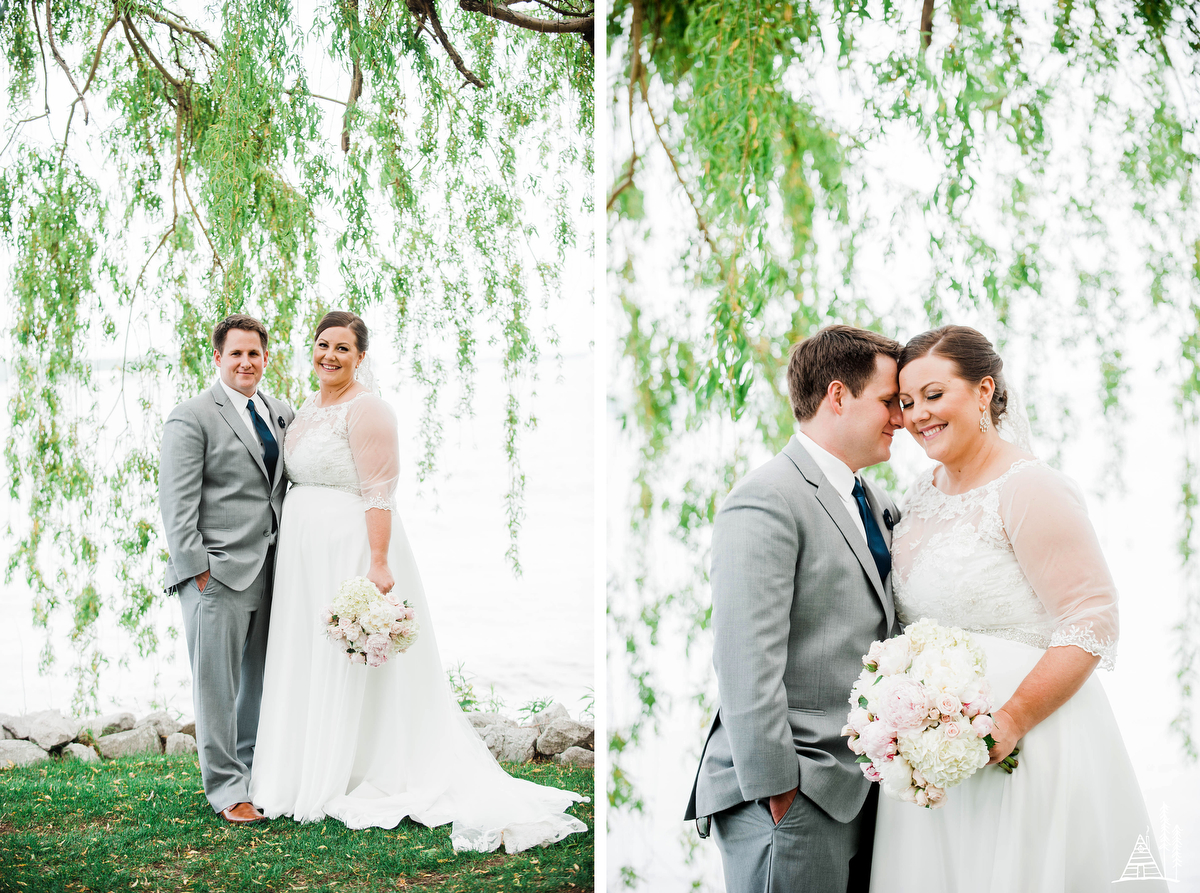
(111, 723)
(510, 744)
(188, 728)
(482, 721)
(5, 734)
(143, 739)
(577, 756)
(561, 734)
(177, 742)
(21, 753)
(80, 752)
(52, 729)
(162, 723)
(541, 720)
(19, 726)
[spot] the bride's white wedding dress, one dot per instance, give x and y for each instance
(370, 746)
(1017, 562)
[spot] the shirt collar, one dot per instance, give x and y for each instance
(239, 399)
(837, 471)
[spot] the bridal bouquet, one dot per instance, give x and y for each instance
(368, 625)
(920, 716)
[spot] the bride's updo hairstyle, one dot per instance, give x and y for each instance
(972, 354)
(344, 319)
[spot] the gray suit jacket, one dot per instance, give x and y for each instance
(797, 601)
(219, 510)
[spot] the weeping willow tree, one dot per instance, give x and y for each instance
(1026, 167)
(163, 170)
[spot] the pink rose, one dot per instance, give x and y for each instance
(949, 705)
(327, 616)
(935, 795)
(855, 744)
(922, 799)
(870, 772)
(335, 633)
(353, 632)
(874, 653)
(376, 660)
(918, 778)
(879, 741)
(952, 729)
(358, 658)
(858, 719)
(983, 725)
(904, 706)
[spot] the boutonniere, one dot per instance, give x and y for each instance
(888, 520)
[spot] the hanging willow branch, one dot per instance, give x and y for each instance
(200, 184)
(726, 113)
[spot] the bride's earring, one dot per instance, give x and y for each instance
(984, 424)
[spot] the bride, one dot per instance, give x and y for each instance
(994, 541)
(369, 745)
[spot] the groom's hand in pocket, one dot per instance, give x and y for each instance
(780, 803)
(202, 580)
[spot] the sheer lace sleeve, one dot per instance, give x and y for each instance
(1054, 542)
(375, 445)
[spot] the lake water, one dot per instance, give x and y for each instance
(528, 637)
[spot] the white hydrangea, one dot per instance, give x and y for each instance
(943, 760)
(355, 596)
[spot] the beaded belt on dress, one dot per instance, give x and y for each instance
(1027, 637)
(343, 487)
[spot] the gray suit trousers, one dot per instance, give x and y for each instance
(227, 643)
(807, 852)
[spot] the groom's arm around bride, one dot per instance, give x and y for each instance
(801, 587)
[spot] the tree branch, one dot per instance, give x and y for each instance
(583, 26)
(926, 25)
(561, 11)
(62, 63)
(45, 71)
(199, 36)
(131, 29)
(356, 75)
(96, 61)
(427, 9)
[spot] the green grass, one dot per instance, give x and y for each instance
(144, 824)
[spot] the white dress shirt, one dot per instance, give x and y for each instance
(241, 403)
(839, 475)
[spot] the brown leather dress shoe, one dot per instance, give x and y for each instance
(242, 814)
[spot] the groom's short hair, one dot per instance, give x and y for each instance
(238, 321)
(835, 353)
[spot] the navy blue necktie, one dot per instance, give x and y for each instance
(269, 443)
(879, 549)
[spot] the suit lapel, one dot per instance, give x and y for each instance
(230, 414)
(831, 501)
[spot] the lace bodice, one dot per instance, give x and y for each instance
(1016, 558)
(351, 446)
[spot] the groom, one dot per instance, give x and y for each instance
(220, 489)
(801, 586)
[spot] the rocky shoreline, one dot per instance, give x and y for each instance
(32, 738)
